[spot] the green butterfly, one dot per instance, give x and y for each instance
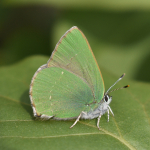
(70, 85)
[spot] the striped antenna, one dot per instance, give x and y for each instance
(119, 88)
(115, 83)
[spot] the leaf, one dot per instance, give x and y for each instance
(129, 129)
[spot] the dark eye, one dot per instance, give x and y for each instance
(106, 98)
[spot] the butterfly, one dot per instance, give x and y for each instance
(70, 85)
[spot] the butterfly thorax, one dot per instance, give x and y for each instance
(100, 110)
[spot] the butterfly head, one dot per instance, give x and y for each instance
(107, 99)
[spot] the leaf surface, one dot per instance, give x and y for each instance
(129, 129)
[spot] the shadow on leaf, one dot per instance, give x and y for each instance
(25, 102)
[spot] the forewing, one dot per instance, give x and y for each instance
(59, 93)
(73, 53)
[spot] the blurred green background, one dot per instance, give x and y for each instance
(118, 32)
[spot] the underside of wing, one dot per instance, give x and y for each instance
(73, 53)
(59, 93)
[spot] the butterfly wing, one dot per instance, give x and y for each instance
(59, 93)
(70, 81)
(73, 53)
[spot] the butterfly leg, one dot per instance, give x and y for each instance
(77, 119)
(110, 110)
(108, 115)
(98, 121)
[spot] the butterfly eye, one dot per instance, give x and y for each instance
(106, 98)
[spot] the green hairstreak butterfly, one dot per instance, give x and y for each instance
(70, 85)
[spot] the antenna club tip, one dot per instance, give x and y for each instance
(122, 75)
(126, 86)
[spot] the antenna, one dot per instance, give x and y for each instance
(115, 83)
(119, 88)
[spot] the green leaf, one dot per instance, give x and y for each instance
(129, 129)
